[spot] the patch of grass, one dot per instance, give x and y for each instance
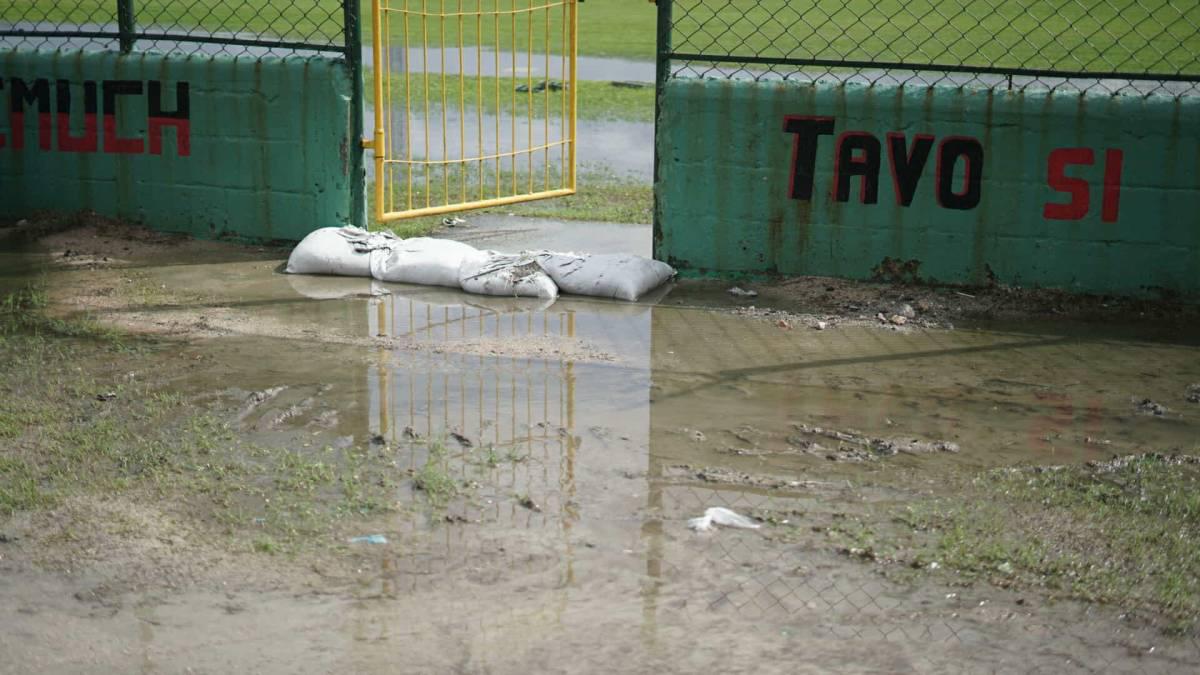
(74, 423)
(19, 487)
(429, 94)
(265, 544)
(1125, 532)
(23, 311)
(433, 479)
(600, 196)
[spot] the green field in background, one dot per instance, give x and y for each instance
(596, 100)
(1096, 35)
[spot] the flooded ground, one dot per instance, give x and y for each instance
(532, 467)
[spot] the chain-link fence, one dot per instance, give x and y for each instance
(209, 27)
(1117, 46)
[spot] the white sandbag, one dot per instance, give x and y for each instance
(332, 250)
(423, 260)
(510, 275)
(627, 277)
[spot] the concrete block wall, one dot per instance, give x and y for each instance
(1083, 192)
(209, 146)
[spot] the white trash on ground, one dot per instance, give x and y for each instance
(355, 252)
(509, 275)
(341, 251)
(625, 277)
(719, 515)
(423, 261)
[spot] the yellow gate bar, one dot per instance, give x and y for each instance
(397, 198)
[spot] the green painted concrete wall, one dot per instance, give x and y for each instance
(725, 201)
(270, 141)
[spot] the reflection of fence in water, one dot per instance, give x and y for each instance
(517, 413)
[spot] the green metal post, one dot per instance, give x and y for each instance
(358, 177)
(125, 25)
(662, 71)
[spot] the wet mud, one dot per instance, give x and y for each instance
(539, 463)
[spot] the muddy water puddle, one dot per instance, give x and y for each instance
(580, 435)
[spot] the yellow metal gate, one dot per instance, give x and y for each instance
(474, 104)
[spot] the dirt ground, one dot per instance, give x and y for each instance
(195, 480)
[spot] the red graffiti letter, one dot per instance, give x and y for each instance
(1111, 205)
(1056, 166)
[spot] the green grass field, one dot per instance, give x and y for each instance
(1095, 35)
(596, 100)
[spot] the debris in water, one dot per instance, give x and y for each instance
(527, 502)
(898, 319)
(783, 323)
(1148, 407)
(369, 539)
(453, 221)
(462, 440)
(907, 311)
(410, 433)
(1193, 393)
(698, 436)
(821, 325)
(739, 292)
(719, 515)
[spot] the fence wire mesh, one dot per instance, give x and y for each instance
(1115, 46)
(209, 27)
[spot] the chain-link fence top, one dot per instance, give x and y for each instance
(231, 27)
(1121, 46)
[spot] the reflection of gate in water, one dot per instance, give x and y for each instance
(518, 413)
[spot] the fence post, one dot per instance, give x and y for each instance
(358, 178)
(662, 71)
(125, 25)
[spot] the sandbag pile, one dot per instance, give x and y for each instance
(352, 251)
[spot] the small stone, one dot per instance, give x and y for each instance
(821, 325)
(782, 323)
(1148, 407)
(899, 320)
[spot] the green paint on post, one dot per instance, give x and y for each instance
(1089, 193)
(253, 149)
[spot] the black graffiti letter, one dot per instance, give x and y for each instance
(908, 164)
(847, 165)
(808, 131)
(949, 152)
(22, 94)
